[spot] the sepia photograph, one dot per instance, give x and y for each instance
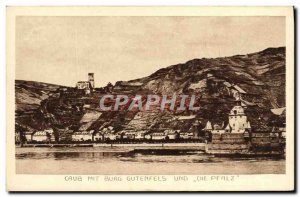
(146, 97)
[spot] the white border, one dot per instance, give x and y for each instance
(5, 3)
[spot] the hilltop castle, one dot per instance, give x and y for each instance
(87, 86)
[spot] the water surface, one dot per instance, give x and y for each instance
(119, 161)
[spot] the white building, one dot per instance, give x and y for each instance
(238, 120)
(50, 131)
(65, 135)
(28, 136)
(158, 136)
(148, 136)
(130, 135)
(111, 136)
(140, 135)
(98, 136)
(187, 135)
(41, 136)
(82, 136)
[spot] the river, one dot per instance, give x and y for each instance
(117, 161)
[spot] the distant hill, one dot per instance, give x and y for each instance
(29, 97)
(259, 78)
(30, 94)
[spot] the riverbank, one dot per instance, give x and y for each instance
(139, 145)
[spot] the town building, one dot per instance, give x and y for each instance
(17, 137)
(97, 136)
(187, 135)
(28, 135)
(159, 135)
(111, 136)
(280, 116)
(197, 129)
(41, 136)
(83, 136)
(172, 134)
(49, 130)
(129, 134)
(65, 135)
(140, 135)
(148, 136)
(216, 128)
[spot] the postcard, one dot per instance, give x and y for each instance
(150, 99)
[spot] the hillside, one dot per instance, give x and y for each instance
(258, 78)
(29, 98)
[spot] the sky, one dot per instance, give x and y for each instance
(63, 50)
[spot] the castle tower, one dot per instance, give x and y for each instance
(238, 119)
(208, 126)
(91, 80)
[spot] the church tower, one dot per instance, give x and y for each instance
(238, 119)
